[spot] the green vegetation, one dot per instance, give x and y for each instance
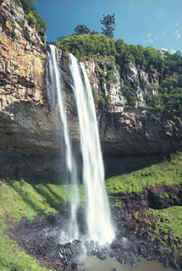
(167, 230)
(168, 67)
(23, 199)
(169, 98)
(81, 29)
(108, 22)
(167, 172)
(90, 45)
(163, 226)
(34, 18)
(86, 46)
(130, 95)
(171, 220)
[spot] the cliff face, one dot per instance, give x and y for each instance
(28, 145)
(127, 125)
(22, 58)
(25, 125)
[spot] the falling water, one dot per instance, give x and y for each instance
(98, 213)
(54, 88)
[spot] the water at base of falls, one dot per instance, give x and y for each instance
(98, 219)
(92, 263)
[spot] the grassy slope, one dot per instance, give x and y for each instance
(169, 172)
(19, 199)
(171, 220)
(169, 230)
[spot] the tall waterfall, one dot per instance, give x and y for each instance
(56, 100)
(98, 213)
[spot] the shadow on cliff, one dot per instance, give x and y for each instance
(115, 166)
(38, 169)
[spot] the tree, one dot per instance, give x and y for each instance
(108, 22)
(81, 29)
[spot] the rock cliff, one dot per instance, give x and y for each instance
(28, 145)
(129, 126)
(25, 125)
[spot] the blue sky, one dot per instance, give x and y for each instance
(155, 23)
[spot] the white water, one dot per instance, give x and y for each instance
(100, 227)
(56, 99)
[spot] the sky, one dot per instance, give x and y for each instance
(156, 23)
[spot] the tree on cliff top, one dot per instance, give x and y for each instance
(81, 29)
(108, 22)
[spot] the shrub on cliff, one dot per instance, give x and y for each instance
(33, 17)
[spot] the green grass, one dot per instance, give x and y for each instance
(170, 220)
(169, 225)
(22, 199)
(168, 172)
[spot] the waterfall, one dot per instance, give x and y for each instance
(100, 227)
(99, 223)
(56, 101)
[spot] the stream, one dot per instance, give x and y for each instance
(93, 263)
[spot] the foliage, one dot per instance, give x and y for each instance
(130, 95)
(34, 18)
(87, 45)
(108, 22)
(169, 98)
(81, 29)
(154, 101)
(171, 93)
(171, 220)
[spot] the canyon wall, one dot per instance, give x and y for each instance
(26, 127)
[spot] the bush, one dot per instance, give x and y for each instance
(130, 95)
(87, 45)
(31, 18)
